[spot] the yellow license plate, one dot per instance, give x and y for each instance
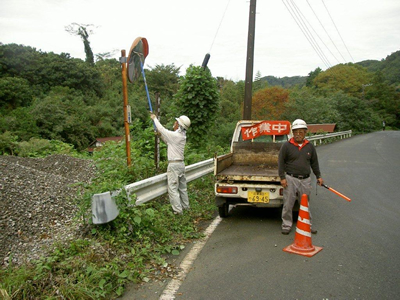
(258, 197)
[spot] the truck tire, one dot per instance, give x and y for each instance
(223, 210)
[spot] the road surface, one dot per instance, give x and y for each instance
(243, 257)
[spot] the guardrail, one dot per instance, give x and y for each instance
(105, 210)
(153, 187)
(320, 137)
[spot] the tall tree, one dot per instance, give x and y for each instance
(83, 31)
(305, 103)
(198, 98)
(311, 76)
(259, 83)
(63, 115)
(14, 92)
(269, 103)
(348, 78)
(164, 81)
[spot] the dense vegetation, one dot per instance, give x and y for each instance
(56, 97)
(52, 103)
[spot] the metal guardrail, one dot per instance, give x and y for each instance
(104, 208)
(320, 137)
(150, 188)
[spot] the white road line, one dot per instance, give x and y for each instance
(173, 286)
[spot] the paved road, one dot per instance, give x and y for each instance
(243, 258)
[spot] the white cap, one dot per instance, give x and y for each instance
(183, 121)
(298, 124)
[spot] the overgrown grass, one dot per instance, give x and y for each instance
(131, 248)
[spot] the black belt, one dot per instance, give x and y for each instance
(299, 176)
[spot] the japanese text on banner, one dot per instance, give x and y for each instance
(266, 128)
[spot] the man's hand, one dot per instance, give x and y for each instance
(152, 116)
(320, 181)
(284, 183)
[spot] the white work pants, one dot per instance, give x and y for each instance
(177, 189)
(295, 189)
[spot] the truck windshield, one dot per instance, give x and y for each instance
(265, 139)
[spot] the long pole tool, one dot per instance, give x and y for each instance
(145, 82)
(336, 192)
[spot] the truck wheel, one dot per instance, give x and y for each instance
(223, 210)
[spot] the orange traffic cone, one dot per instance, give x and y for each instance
(302, 241)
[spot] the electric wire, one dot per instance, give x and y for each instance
(309, 32)
(223, 15)
(338, 31)
(290, 10)
(307, 35)
(326, 34)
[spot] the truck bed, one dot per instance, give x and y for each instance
(249, 162)
(249, 171)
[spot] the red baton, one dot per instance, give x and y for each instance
(336, 192)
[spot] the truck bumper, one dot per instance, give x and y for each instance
(275, 194)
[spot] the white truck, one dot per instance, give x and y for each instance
(248, 175)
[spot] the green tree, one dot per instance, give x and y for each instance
(14, 92)
(83, 31)
(384, 100)
(63, 115)
(46, 70)
(20, 122)
(229, 112)
(354, 114)
(198, 98)
(391, 68)
(8, 143)
(311, 76)
(306, 104)
(348, 78)
(259, 83)
(163, 79)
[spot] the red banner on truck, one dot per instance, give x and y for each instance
(266, 128)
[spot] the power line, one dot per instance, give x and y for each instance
(316, 43)
(223, 15)
(337, 31)
(296, 19)
(327, 35)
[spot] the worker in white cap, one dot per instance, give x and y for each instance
(175, 140)
(297, 158)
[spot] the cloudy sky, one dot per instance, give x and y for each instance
(183, 31)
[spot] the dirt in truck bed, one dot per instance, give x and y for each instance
(250, 170)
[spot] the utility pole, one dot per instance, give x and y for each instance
(157, 137)
(248, 93)
(123, 61)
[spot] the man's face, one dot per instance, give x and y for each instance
(299, 135)
(176, 125)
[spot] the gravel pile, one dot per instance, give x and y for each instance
(36, 203)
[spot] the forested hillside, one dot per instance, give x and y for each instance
(390, 68)
(51, 97)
